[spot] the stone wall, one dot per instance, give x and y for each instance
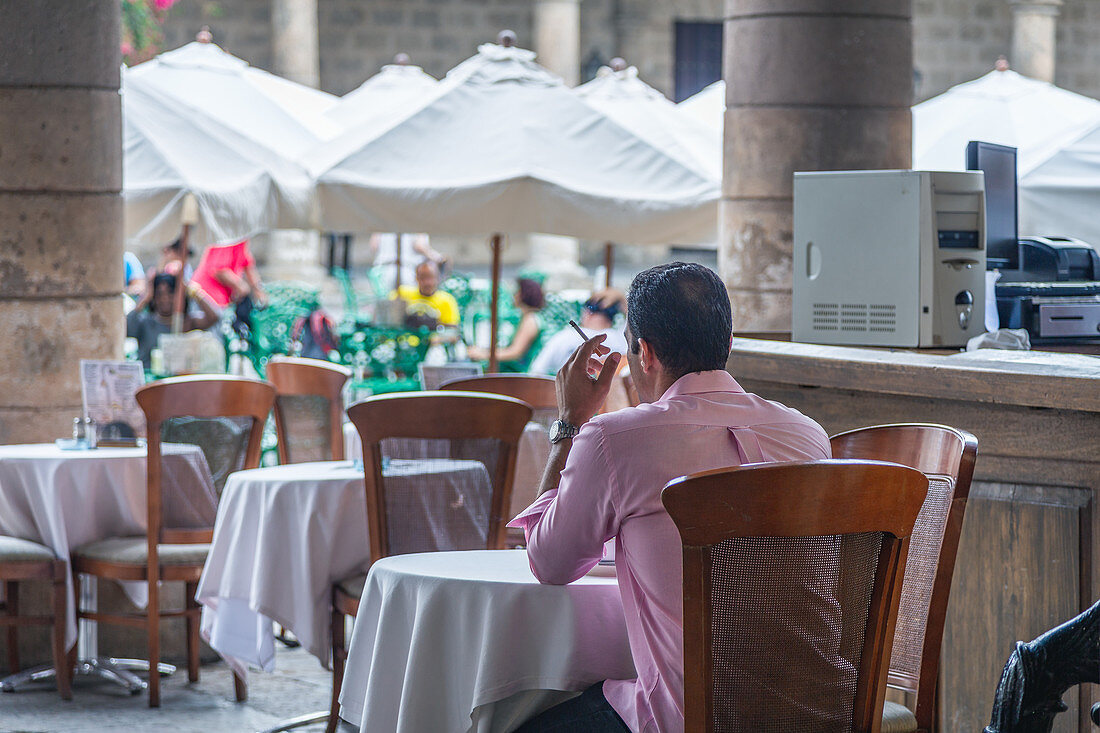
(953, 41)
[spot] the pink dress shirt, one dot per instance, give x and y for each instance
(611, 487)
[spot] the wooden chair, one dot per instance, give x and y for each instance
(25, 560)
(224, 416)
(456, 425)
(792, 576)
(309, 408)
(538, 391)
(946, 456)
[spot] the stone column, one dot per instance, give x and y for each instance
(558, 37)
(60, 208)
(557, 27)
(294, 41)
(1034, 23)
(810, 85)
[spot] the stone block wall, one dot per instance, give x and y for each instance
(953, 41)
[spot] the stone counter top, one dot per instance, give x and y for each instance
(1025, 378)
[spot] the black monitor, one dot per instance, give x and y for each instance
(1001, 235)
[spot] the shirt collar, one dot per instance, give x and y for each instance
(717, 380)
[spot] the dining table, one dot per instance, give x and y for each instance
(285, 534)
(456, 642)
(66, 498)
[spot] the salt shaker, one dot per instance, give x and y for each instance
(90, 432)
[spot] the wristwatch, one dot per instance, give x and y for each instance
(561, 430)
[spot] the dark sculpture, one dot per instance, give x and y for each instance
(1039, 673)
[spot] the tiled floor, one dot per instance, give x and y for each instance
(298, 685)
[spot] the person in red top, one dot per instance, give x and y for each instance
(227, 273)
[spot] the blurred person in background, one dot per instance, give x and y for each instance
(529, 335)
(227, 274)
(414, 248)
(596, 319)
(426, 304)
(153, 314)
(134, 275)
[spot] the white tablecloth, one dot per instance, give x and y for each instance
(284, 534)
(450, 642)
(64, 499)
(534, 450)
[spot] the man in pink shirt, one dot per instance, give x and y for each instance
(605, 474)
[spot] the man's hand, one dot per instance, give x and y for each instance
(583, 383)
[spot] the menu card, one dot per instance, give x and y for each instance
(108, 389)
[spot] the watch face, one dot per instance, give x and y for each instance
(560, 431)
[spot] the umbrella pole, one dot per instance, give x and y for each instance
(493, 313)
(177, 302)
(397, 262)
(608, 262)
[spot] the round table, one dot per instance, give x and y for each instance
(461, 641)
(66, 498)
(285, 534)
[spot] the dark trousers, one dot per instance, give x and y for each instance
(588, 713)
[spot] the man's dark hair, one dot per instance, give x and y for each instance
(164, 278)
(682, 310)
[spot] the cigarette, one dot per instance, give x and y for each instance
(578, 329)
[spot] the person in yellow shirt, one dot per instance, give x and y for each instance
(427, 305)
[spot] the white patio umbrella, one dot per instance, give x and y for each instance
(1056, 133)
(396, 86)
(173, 153)
(504, 146)
(708, 106)
(284, 116)
(643, 110)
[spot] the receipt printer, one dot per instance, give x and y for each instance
(888, 258)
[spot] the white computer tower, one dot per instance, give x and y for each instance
(888, 258)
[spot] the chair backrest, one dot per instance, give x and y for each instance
(792, 575)
(946, 456)
(222, 416)
(438, 469)
(309, 410)
(538, 391)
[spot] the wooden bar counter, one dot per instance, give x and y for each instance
(1030, 547)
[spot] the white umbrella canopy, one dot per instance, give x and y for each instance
(707, 106)
(396, 86)
(283, 116)
(1001, 107)
(503, 145)
(640, 108)
(172, 152)
(1056, 133)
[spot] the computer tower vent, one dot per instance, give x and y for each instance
(860, 317)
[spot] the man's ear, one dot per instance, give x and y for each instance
(646, 358)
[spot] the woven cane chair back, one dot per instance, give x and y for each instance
(791, 575)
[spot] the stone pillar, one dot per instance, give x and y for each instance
(558, 38)
(1034, 23)
(294, 41)
(60, 208)
(810, 85)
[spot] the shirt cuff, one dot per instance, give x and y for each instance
(530, 516)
